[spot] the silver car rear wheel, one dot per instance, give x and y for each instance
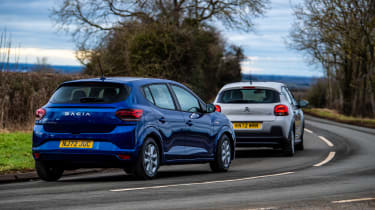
(289, 145)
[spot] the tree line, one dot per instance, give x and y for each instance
(340, 35)
(173, 39)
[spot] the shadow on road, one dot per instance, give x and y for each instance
(122, 176)
(258, 153)
(175, 173)
(118, 175)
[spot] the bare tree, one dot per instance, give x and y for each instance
(171, 39)
(8, 54)
(341, 36)
(42, 66)
(90, 20)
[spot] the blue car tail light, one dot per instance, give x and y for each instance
(39, 114)
(123, 157)
(129, 114)
(36, 155)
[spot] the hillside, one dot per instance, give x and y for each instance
(293, 82)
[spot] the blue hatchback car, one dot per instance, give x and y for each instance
(136, 124)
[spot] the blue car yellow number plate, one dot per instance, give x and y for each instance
(247, 125)
(87, 144)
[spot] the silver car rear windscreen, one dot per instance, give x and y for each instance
(254, 95)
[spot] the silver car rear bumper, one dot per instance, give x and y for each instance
(275, 136)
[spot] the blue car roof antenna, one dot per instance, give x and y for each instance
(101, 70)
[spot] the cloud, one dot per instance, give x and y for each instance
(247, 66)
(26, 25)
(29, 25)
(250, 70)
(275, 59)
(287, 64)
(54, 56)
(266, 50)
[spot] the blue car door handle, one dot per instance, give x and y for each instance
(189, 123)
(162, 119)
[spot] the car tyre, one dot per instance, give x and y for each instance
(148, 160)
(46, 172)
(300, 145)
(223, 156)
(289, 146)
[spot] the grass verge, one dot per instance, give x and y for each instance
(15, 152)
(335, 116)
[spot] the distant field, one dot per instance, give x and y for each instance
(293, 82)
(333, 115)
(15, 152)
(27, 67)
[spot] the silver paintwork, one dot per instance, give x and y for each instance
(265, 112)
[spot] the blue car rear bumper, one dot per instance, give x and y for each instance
(104, 152)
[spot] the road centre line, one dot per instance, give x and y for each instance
(330, 156)
(328, 142)
(200, 183)
(307, 130)
(354, 200)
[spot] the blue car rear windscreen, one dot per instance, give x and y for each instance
(78, 93)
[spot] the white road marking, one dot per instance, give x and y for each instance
(330, 156)
(354, 200)
(328, 142)
(266, 208)
(200, 183)
(307, 130)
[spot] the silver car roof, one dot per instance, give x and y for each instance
(274, 85)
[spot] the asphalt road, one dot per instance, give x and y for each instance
(343, 177)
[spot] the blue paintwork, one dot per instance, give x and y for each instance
(183, 138)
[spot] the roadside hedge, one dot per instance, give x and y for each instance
(22, 93)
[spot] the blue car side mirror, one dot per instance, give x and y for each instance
(210, 108)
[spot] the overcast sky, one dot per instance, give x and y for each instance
(28, 22)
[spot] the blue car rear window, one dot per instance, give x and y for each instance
(84, 93)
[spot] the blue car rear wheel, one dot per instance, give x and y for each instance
(47, 172)
(148, 160)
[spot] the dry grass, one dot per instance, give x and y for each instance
(22, 93)
(335, 116)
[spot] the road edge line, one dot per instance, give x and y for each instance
(307, 130)
(353, 200)
(201, 183)
(330, 156)
(328, 142)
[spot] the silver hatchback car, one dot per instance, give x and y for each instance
(263, 114)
